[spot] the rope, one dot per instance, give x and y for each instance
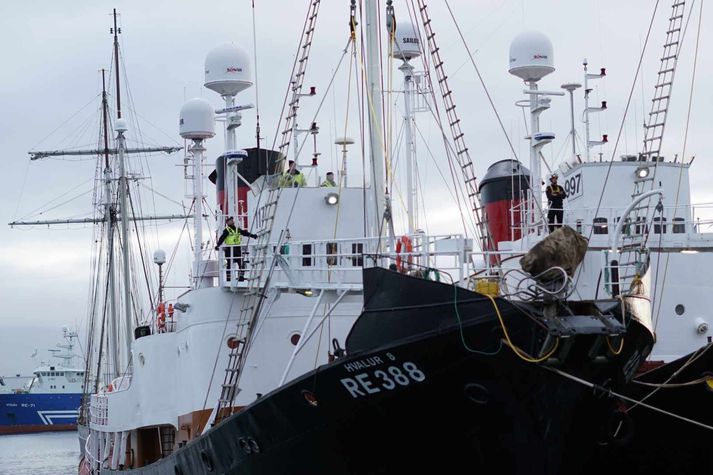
(482, 82)
(683, 152)
(694, 356)
(623, 321)
(257, 90)
(609, 392)
(623, 120)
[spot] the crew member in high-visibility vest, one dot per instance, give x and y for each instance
(329, 182)
(292, 178)
(555, 195)
(232, 237)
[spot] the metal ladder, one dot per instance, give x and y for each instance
(654, 128)
(298, 76)
(634, 253)
(461, 150)
(255, 292)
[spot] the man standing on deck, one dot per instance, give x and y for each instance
(292, 178)
(555, 195)
(233, 250)
(329, 182)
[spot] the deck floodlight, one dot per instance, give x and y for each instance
(331, 198)
(642, 172)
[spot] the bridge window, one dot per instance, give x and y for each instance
(306, 255)
(659, 225)
(626, 227)
(332, 249)
(600, 226)
(641, 226)
(357, 254)
(678, 225)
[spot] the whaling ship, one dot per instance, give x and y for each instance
(520, 348)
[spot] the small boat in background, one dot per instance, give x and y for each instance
(49, 401)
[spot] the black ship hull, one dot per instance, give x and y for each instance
(671, 440)
(429, 386)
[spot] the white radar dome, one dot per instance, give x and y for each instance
(121, 125)
(531, 56)
(228, 70)
(406, 42)
(159, 257)
(197, 120)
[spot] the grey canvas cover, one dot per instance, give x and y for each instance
(564, 248)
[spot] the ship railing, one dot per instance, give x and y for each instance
(337, 263)
(674, 225)
(99, 409)
(443, 258)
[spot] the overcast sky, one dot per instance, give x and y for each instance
(53, 51)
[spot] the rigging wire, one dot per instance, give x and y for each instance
(683, 154)
(482, 82)
(623, 121)
(289, 83)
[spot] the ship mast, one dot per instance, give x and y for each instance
(109, 216)
(374, 112)
(121, 128)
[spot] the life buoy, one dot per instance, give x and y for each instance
(404, 244)
(161, 312)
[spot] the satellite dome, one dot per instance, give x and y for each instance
(121, 125)
(197, 120)
(228, 70)
(159, 257)
(531, 56)
(406, 42)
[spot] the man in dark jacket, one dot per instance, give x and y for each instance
(555, 195)
(233, 250)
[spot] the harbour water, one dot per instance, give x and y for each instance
(39, 454)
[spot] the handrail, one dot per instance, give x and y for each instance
(625, 215)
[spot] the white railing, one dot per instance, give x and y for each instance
(673, 222)
(338, 262)
(99, 409)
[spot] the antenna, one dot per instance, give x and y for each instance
(406, 47)
(344, 141)
(197, 123)
(531, 59)
(571, 87)
(588, 110)
(228, 72)
(116, 31)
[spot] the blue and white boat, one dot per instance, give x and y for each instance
(50, 400)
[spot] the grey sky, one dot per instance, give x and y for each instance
(52, 52)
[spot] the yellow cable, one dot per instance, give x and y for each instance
(623, 321)
(520, 353)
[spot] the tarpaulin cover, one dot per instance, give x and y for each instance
(564, 248)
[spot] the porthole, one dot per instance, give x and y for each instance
(295, 338)
(680, 309)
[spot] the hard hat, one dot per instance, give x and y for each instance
(554, 175)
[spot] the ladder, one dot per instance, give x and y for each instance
(298, 74)
(461, 150)
(254, 295)
(654, 127)
(633, 250)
